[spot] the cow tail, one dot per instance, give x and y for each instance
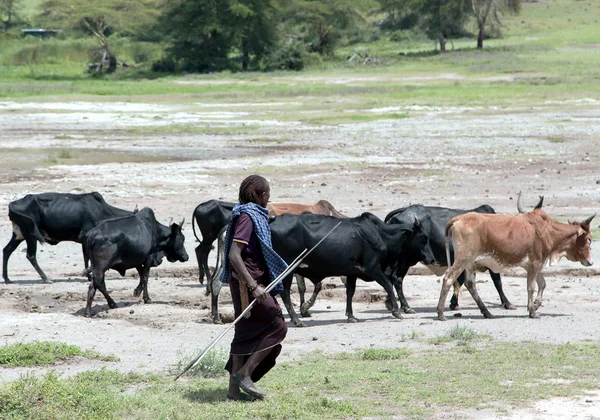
(447, 239)
(194, 224)
(29, 223)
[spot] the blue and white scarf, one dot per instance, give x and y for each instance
(260, 220)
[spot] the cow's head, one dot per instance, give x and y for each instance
(175, 248)
(581, 249)
(418, 245)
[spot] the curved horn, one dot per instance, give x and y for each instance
(182, 222)
(539, 204)
(170, 221)
(417, 222)
(519, 205)
(586, 223)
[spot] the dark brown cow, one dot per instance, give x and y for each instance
(495, 241)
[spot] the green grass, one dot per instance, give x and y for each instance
(374, 382)
(42, 353)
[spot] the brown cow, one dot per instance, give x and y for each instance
(320, 207)
(498, 241)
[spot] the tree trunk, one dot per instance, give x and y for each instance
(245, 54)
(480, 36)
(442, 42)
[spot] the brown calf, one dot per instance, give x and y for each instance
(498, 241)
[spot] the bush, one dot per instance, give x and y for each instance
(164, 65)
(290, 55)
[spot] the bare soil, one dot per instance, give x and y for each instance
(448, 156)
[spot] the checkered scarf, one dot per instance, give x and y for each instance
(260, 220)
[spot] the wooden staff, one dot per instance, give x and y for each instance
(279, 278)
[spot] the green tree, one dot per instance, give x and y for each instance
(444, 18)
(8, 12)
(483, 10)
(101, 18)
(324, 21)
(209, 35)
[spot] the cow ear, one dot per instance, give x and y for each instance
(581, 232)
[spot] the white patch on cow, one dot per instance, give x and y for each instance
(18, 232)
(437, 269)
(490, 261)
(303, 265)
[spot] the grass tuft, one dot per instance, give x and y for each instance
(211, 366)
(42, 353)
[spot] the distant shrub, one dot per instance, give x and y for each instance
(290, 55)
(164, 65)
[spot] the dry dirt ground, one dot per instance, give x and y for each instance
(449, 156)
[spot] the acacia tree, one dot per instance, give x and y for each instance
(100, 18)
(323, 21)
(482, 10)
(443, 18)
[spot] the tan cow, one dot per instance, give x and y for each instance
(320, 207)
(497, 241)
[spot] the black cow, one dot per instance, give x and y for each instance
(138, 241)
(211, 216)
(53, 218)
(433, 220)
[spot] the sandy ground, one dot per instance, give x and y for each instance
(449, 156)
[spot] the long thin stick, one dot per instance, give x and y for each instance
(283, 275)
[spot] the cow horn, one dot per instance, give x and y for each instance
(570, 221)
(586, 223)
(417, 222)
(539, 204)
(170, 221)
(182, 222)
(519, 206)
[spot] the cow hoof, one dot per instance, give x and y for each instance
(509, 306)
(112, 305)
(397, 314)
(304, 309)
(534, 315)
(300, 324)
(147, 301)
(217, 321)
(442, 317)
(137, 292)
(488, 316)
(352, 320)
(305, 314)
(455, 307)
(409, 311)
(47, 281)
(7, 281)
(87, 314)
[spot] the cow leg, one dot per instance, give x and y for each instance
(454, 306)
(287, 301)
(498, 284)
(31, 252)
(202, 252)
(8, 250)
(301, 291)
(472, 287)
(449, 279)
(532, 275)
(86, 263)
(98, 283)
(313, 298)
(350, 289)
(399, 286)
(144, 273)
(541, 284)
(385, 282)
(215, 289)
